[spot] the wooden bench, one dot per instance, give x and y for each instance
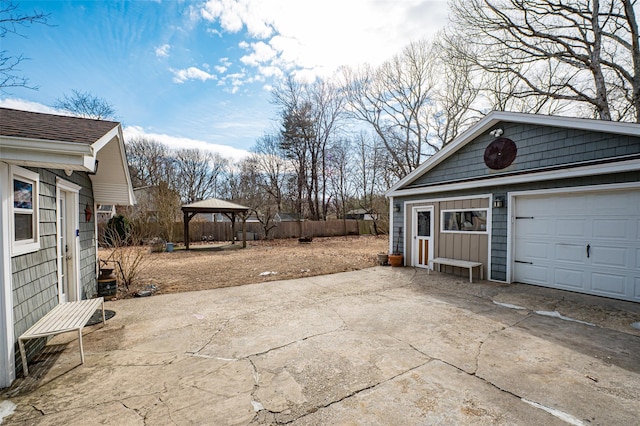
(459, 263)
(65, 317)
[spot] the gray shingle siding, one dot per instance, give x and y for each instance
(35, 275)
(538, 147)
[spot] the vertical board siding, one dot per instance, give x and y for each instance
(35, 275)
(461, 246)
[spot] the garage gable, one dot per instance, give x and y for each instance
(538, 148)
(540, 144)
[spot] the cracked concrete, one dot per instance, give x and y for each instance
(379, 346)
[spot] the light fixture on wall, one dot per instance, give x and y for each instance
(498, 202)
(396, 207)
(496, 132)
(95, 168)
(68, 172)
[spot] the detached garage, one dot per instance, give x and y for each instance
(542, 200)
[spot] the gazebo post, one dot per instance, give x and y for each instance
(186, 220)
(233, 228)
(244, 232)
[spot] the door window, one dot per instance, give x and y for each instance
(424, 224)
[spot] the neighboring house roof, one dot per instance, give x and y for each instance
(288, 217)
(51, 141)
(402, 187)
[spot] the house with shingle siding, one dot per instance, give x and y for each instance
(54, 171)
(542, 200)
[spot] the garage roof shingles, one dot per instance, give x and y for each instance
(34, 125)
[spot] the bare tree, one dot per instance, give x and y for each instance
(11, 21)
(328, 113)
(84, 104)
(198, 173)
(340, 173)
(150, 162)
(370, 178)
(455, 98)
(249, 190)
(393, 99)
(585, 52)
(272, 166)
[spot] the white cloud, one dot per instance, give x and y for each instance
(261, 53)
(319, 37)
(179, 142)
(163, 51)
(191, 73)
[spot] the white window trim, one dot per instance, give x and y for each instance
(28, 246)
(453, 231)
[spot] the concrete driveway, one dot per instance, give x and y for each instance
(381, 346)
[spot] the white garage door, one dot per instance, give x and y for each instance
(584, 242)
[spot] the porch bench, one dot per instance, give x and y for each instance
(65, 317)
(459, 263)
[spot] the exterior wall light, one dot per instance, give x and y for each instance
(498, 202)
(396, 208)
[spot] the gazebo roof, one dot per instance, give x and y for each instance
(214, 205)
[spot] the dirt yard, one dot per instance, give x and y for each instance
(210, 266)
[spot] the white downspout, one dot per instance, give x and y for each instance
(7, 356)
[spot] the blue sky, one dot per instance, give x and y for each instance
(198, 74)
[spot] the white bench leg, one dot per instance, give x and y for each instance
(81, 349)
(23, 355)
(471, 274)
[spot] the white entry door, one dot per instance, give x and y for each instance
(583, 242)
(67, 247)
(422, 250)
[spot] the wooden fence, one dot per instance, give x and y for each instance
(221, 231)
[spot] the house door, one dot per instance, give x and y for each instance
(422, 250)
(67, 245)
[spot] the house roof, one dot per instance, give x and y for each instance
(496, 117)
(52, 141)
(34, 125)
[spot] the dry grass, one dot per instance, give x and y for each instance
(211, 266)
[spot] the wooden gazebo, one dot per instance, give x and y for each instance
(215, 205)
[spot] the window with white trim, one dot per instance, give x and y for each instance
(25, 236)
(464, 220)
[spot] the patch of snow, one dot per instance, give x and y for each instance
(257, 406)
(636, 325)
(198, 316)
(509, 305)
(265, 273)
(557, 314)
(568, 418)
(6, 409)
